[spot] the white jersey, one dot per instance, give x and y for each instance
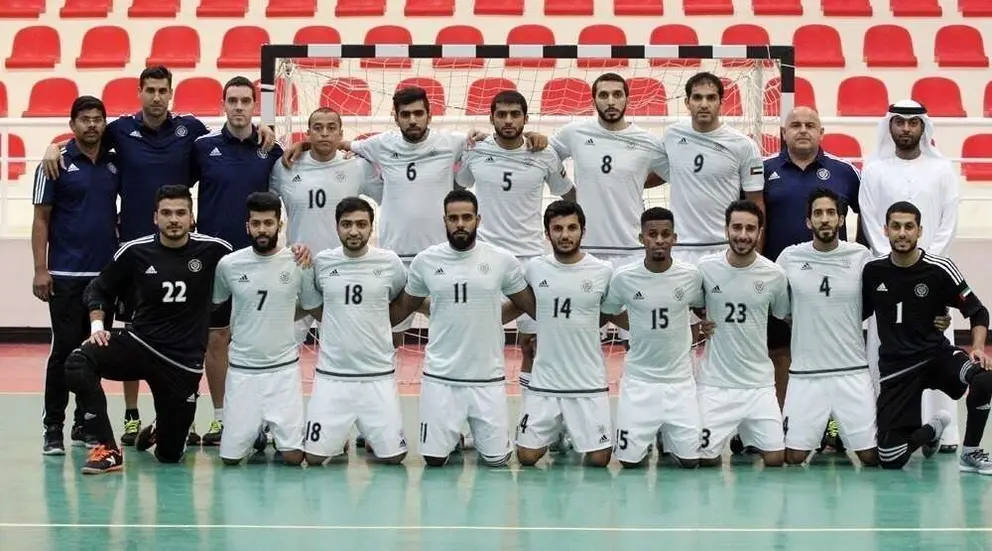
(264, 292)
(465, 330)
(739, 300)
(356, 341)
(569, 359)
(610, 169)
(827, 334)
(706, 171)
(510, 186)
(311, 191)
(657, 307)
(415, 179)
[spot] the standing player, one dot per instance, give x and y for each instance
(466, 281)
(905, 290)
(172, 272)
(657, 392)
(568, 389)
(355, 383)
(509, 180)
(73, 236)
(737, 379)
(263, 283)
(828, 377)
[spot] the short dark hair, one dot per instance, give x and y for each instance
(173, 191)
(508, 97)
(461, 196)
(825, 193)
(609, 77)
(85, 103)
(562, 207)
(320, 111)
(157, 73)
(657, 214)
(238, 82)
(408, 95)
(352, 204)
(746, 205)
(904, 207)
(264, 201)
(704, 78)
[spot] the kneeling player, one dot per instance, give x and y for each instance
(737, 379)
(355, 384)
(263, 383)
(905, 291)
(658, 392)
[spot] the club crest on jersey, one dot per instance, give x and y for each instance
(181, 131)
(195, 265)
(823, 174)
(261, 154)
(586, 286)
(340, 177)
(921, 290)
(284, 277)
(112, 168)
(759, 287)
(678, 294)
(484, 268)
(432, 153)
(377, 272)
(630, 146)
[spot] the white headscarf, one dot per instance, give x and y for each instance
(885, 146)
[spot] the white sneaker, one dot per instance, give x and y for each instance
(977, 461)
(941, 420)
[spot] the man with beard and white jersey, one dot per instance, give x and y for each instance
(509, 180)
(264, 384)
(568, 389)
(906, 166)
(737, 380)
(828, 376)
(466, 281)
(355, 381)
(657, 392)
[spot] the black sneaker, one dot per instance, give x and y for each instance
(131, 429)
(949, 448)
(53, 444)
(146, 438)
(214, 433)
(193, 439)
(261, 441)
(80, 438)
(103, 460)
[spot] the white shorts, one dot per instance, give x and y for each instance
(252, 399)
(444, 410)
(753, 412)
(810, 401)
(335, 406)
(587, 419)
(645, 407)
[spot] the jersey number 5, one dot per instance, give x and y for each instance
(175, 291)
(507, 181)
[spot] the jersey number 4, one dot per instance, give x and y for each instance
(175, 291)
(825, 286)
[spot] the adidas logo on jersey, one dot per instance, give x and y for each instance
(590, 142)
(151, 271)
(334, 272)
(683, 141)
(490, 160)
(604, 439)
(135, 134)
(72, 168)
(243, 278)
(638, 296)
(806, 266)
(881, 287)
(297, 179)
(774, 176)
(440, 271)
(215, 153)
(396, 155)
(544, 283)
(716, 289)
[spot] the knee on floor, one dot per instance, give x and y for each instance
(293, 457)
(795, 457)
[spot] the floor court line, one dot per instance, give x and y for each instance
(659, 530)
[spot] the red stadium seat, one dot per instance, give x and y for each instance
(291, 8)
(104, 48)
(987, 102)
(166, 9)
(459, 34)
(434, 89)
(915, 8)
(862, 97)
(177, 47)
(499, 7)
(773, 96)
(674, 35)
(35, 48)
(647, 98)
(638, 7)
(977, 146)
(15, 169)
(959, 46)
(568, 7)
(602, 34)
(743, 35)
(777, 7)
(348, 96)
(51, 97)
(846, 8)
(818, 46)
(21, 9)
(843, 146)
(199, 96)
(222, 8)
(241, 46)
(280, 99)
(975, 8)
(360, 8)
(85, 8)
(120, 96)
(531, 34)
(429, 8)
(940, 95)
(481, 92)
(708, 7)
(387, 34)
(889, 46)
(318, 35)
(768, 143)
(3, 101)
(566, 96)
(732, 106)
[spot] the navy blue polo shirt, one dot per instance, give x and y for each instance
(82, 232)
(149, 159)
(229, 170)
(787, 188)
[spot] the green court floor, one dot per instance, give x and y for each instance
(45, 504)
